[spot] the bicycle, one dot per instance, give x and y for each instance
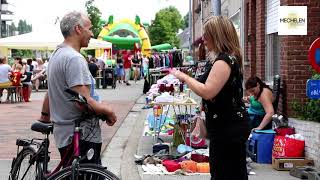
(32, 161)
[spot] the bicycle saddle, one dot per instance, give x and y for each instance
(45, 128)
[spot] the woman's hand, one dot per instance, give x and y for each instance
(178, 74)
(257, 128)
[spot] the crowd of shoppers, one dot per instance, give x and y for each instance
(21, 77)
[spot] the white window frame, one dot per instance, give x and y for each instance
(272, 61)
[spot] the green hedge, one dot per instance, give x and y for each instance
(310, 110)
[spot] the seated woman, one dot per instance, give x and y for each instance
(260, 99)
(5, 69)
(39, 74)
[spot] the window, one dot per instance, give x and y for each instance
(235, 19)
(272, 63)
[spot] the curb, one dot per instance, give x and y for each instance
(122, 144)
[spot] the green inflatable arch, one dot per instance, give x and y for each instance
(125, 33)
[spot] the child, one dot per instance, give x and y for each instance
(17, 77)
(27, 84)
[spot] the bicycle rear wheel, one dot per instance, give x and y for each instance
(85, 171)
(23, 168)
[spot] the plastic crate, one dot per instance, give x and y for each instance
(259, 146)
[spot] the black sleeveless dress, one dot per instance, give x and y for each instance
(227, 125)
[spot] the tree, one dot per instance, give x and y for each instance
(186, 21)
(165, 26)
(22, 53)
(12, 29)
(23, 27)
(94, 16)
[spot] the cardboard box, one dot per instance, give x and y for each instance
(286, 164)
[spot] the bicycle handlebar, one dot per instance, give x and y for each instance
(72, 92)
(81, 100)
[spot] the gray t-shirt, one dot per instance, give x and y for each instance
(68, 68)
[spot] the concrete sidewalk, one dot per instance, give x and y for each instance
(128, 140)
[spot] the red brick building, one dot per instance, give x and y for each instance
(266, 53)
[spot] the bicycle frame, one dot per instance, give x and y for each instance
(43, 150)
(75, 149)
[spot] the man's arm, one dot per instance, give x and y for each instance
(98, 107)
(45, 112)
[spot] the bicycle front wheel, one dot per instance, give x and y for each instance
(85, 171)
(23, 168)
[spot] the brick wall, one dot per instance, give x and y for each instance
(294, 66)
(260, 37)
(250, 38)
(311, 132)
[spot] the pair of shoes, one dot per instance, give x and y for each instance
(128, 84)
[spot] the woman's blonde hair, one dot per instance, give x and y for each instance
(221, 34)
(39, 60)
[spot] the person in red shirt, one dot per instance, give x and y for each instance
(127, 66)
(17, 77)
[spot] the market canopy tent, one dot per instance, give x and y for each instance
(160, 47)
(43, 40)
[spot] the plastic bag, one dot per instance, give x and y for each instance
(287, 147)
(283, 131)
(200, 130)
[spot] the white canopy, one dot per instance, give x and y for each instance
(44, 40)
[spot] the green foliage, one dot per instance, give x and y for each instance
(186, 21)
(12, 29)
(83, 53)
(165, 26)
(94, 16)
(24, 27)
(90, 52)
(310, 110)
(22, 53)
(102, 23)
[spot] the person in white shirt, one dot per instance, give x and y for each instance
(35, 63)
(145, 65)
(5, 69)
(39, 74)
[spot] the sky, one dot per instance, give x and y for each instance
(43, 13)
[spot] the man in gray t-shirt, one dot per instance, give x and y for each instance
(68, 69)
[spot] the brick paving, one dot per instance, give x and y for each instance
(16, 118)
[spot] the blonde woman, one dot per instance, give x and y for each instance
(18, 60)
(39, 74)
(221, 90)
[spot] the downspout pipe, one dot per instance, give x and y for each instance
(190, 29)
(0, 18)
(216, 7)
